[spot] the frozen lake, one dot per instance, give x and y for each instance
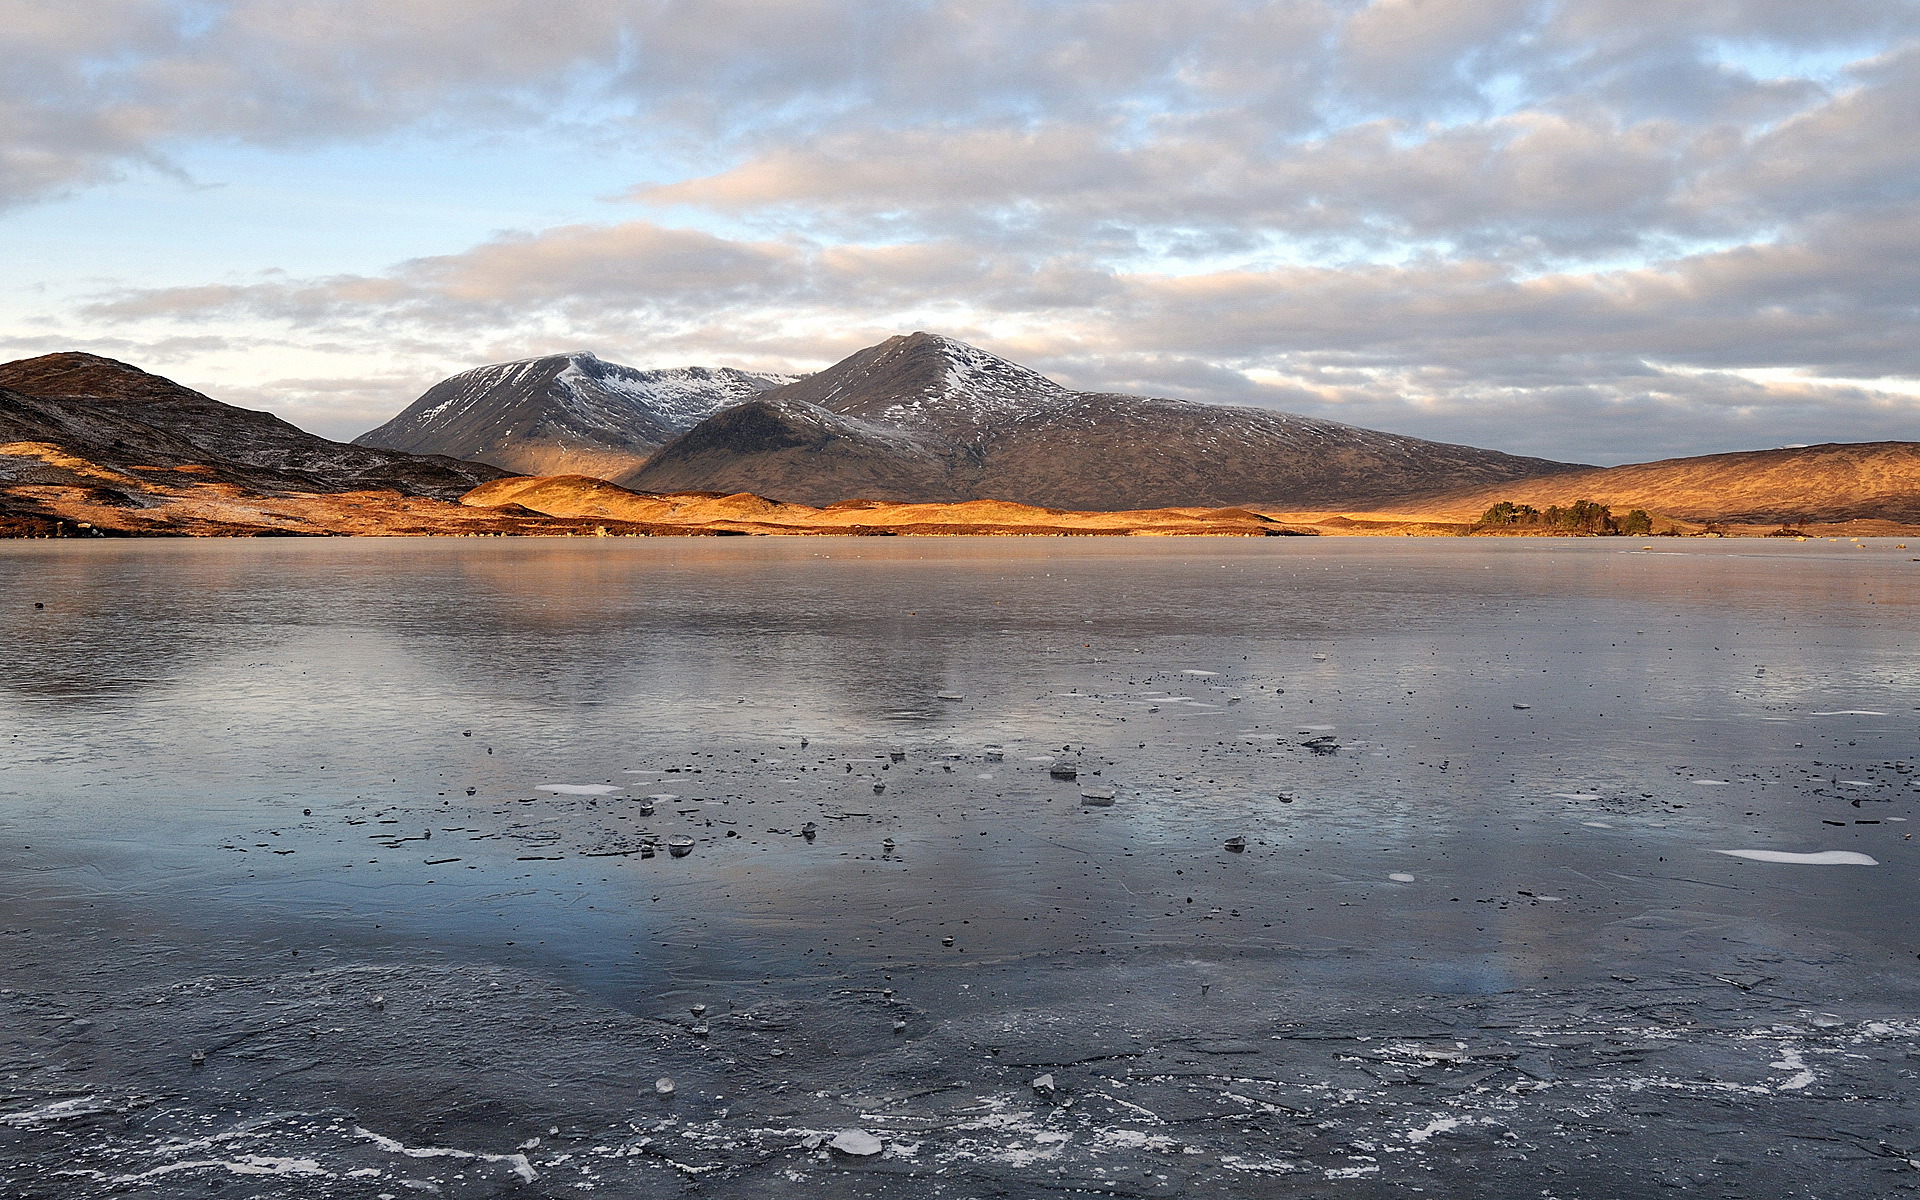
(1575, 868)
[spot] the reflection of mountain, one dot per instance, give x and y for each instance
(653, 644)
(1801, 484)
(109, 634)
(924, 417)
(564, 413)
(102, 413)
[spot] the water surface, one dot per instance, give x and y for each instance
(1485, 788)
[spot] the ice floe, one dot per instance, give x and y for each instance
(577, 789)
(1818, 858)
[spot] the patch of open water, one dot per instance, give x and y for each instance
(381, 832)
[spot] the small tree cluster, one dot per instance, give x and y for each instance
(1508, 513)
(1582, 516)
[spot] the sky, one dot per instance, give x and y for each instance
(1599, 231)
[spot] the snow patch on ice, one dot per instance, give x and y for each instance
(57, 1110)
(1352, 1172)
(1792, 1060)
(246, 1164)
(1437, 1125)
(517, 1162)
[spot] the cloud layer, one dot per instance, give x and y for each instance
(1592, 230)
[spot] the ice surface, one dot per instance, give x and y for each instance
(1293, 1019)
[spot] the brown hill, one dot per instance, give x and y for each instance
(1802, 485)
(584, 497)
(118, 417)
(88, 444)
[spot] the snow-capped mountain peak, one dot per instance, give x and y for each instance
(573, 411)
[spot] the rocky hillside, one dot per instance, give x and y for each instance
(926, 418)
(1800, 485)
(83, 410)
(564, 413)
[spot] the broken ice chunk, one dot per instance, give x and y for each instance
(856, 1142)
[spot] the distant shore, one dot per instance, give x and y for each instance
(574, 506)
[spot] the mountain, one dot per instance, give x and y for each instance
(104, 413)
(1797, 485)
(564, 413)
(926, 418)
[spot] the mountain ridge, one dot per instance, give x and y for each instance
(924, 417)
(91, 443)
(1830, 482)
(115, 415)
(561, 413)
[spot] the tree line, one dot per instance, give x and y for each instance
(1582, 516)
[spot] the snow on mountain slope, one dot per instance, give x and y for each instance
(933, 385)
(564, 413)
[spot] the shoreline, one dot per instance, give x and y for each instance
(579, 506)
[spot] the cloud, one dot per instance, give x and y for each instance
(1645, 353)
(1585, 228)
